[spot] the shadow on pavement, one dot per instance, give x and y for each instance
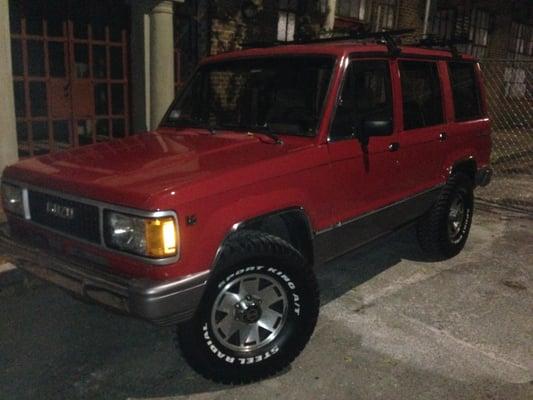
(355, 268)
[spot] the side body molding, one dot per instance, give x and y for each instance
(349, 235)
(293, 225)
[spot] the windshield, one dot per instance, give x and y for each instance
(278, 95)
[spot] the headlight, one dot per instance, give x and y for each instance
(150, 237)
(12, 199)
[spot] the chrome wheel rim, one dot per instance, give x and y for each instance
(456, 218)
(249, 312)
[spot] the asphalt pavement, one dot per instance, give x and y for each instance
(392, 326)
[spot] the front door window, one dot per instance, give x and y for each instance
(366, 95)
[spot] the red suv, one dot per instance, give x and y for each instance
(270, 161)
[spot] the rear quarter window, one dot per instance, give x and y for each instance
(465, 89)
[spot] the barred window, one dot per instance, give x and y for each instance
(521, 43)
(384, 14)
(355, 9)
(451, 23)
(287, 20)
(443, 24)
(515, 82)
(520, 47)
(478, 33)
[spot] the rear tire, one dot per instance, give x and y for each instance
(443, 231)
(257, 314)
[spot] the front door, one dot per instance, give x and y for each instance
(364, 177)
(365, 174)
(70, 74)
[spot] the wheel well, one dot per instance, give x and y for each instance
(290, 225)
(467, 167)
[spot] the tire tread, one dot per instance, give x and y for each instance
(239, 245)
(429, 229)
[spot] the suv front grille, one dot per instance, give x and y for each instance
(67, 216)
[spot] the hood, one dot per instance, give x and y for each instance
(134, 170)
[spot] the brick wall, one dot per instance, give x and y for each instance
(226, 35)
(230, 28)
(411, 15)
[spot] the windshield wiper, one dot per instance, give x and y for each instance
(267, 130)
(189, 123)
(261, 129)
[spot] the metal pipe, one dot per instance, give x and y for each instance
(331, 5)
(426, 18)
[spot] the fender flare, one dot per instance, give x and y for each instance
(290, 212)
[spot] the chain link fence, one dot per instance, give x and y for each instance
(509, 87)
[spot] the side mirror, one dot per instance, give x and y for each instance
(377, 127)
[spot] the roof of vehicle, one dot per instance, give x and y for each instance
(336, 48)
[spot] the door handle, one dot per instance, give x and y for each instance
(443, 136)
(394, 146)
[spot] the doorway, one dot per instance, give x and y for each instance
(70, 72)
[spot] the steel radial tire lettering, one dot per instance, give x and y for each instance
(260, 281)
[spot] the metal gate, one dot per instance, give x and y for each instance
(70, 74)
(509, 87)
(191, 40)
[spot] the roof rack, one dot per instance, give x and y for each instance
(386, 37)
(431, 41)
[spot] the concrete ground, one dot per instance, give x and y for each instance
(391, 327)
(511, 188)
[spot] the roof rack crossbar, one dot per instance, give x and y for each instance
(260, 44)
(431, 41)
(386, 37)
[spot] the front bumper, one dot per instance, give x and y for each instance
(483, 176)
(164, 303)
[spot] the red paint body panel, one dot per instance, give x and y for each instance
(229, 177)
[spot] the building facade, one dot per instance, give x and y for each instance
(76, 72)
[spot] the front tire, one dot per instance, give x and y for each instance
(258, 312)
(443, 231)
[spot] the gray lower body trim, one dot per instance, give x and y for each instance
(349, 235)
(164, 303)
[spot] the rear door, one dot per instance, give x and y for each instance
(423, 133)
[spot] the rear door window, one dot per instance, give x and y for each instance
(421, 92)
(466, 96)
